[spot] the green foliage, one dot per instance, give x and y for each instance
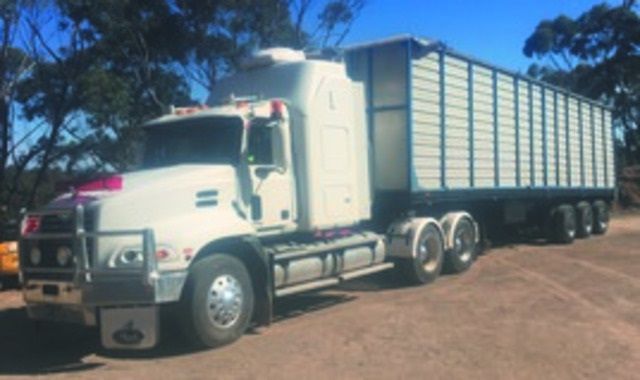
(335, 14)
(597, 55)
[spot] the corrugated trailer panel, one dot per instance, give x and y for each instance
(534, 137)
(549, 138)
(457, 132)
(525, 132)
(575, 146)
(537, 120)
(425, 90)
(506, 130)
(483, 137)
(598, 151)
(560, 120)
(587, 156)
(449, 122)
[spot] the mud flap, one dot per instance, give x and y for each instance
(130, 328)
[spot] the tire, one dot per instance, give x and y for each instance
(564, 225)
(223, 281)
(600, 217)
(463, 254)
(584, 217)
(427, 265)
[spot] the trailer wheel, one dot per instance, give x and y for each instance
(600, 217)
(564, 224)
(217, 300)
(429, 256)
(585, 219)
(461, 256)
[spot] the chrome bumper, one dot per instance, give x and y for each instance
(93, 287)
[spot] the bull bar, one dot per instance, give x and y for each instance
(93, 286)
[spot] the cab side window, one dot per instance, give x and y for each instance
(261, 145)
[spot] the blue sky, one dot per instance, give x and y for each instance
(492, 30)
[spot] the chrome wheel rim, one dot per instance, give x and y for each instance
(224, 301)
(463, 243)
(428, 253)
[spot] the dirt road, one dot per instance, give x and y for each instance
(527, 311)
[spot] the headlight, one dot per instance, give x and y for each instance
(63, 256)
(35, 256)
(132, 257)
(127, 258)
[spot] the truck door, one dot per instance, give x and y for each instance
(272, 200)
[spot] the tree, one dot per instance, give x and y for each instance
(221, 33)
(597, 55)
(136, 47)
(14, 64)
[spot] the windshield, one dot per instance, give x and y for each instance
(214, 140)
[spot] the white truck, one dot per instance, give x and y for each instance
(303, 173)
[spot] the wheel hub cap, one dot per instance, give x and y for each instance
(463, 243)
(428, 255)
(224, 301)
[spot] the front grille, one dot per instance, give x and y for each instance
(65, 223)
(56, 224)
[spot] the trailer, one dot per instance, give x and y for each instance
(449, 130)
(302, 173)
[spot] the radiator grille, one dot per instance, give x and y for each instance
(56, 224)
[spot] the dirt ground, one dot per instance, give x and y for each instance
(525, 311)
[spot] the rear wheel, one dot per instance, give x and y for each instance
(218, 298)
(600, 217)
(584, 215)
(564, 224)
(461, 256)
(428, 258)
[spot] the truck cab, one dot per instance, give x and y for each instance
(257, 194)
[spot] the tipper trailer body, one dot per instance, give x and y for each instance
(302, 173)
(446, 127)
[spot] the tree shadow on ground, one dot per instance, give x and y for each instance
(29, 348)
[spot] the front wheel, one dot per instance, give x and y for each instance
(426, 264)
(218, 301)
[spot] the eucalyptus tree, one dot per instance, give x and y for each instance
(596, 54)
